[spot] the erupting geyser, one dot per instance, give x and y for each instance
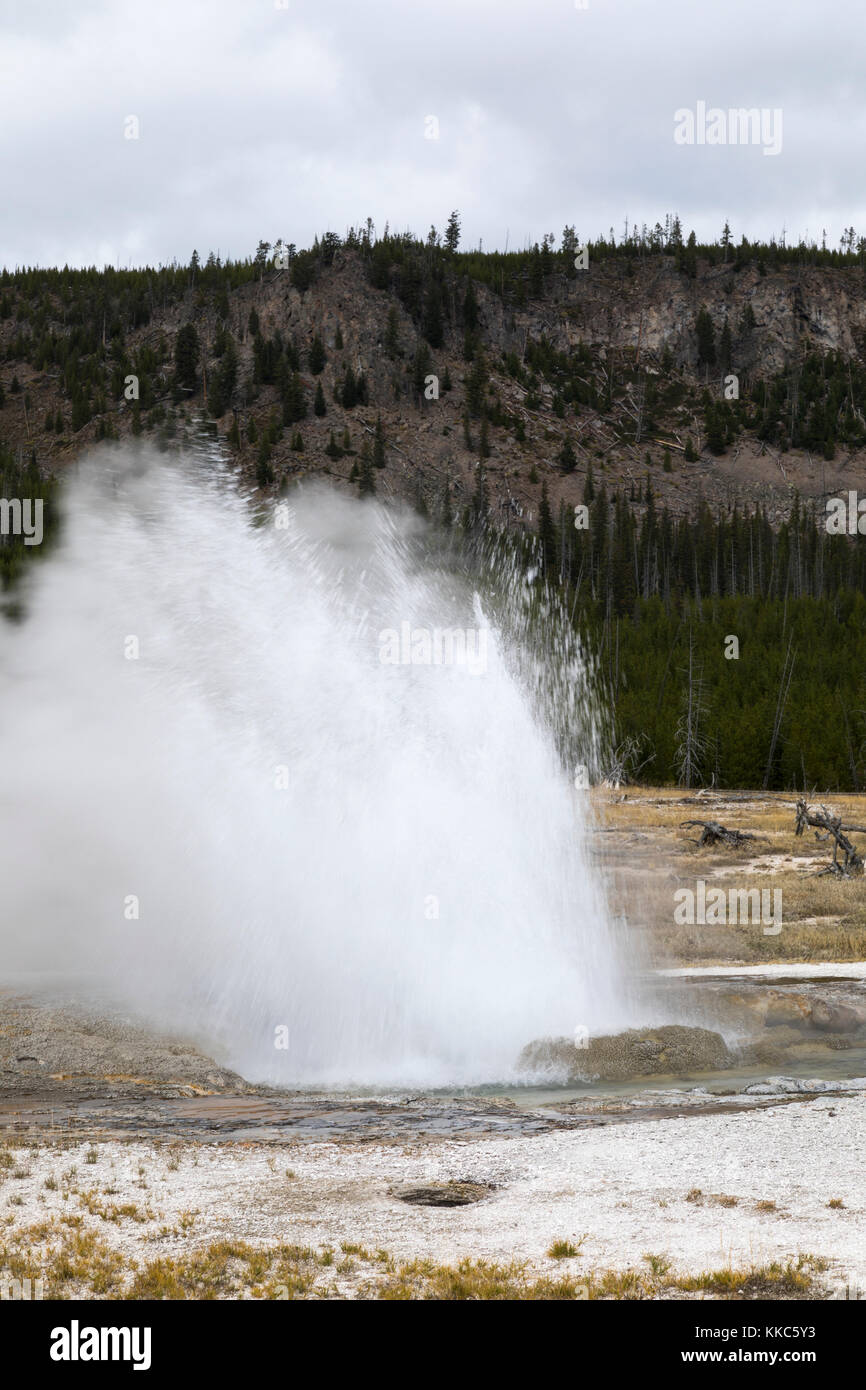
(228, 797)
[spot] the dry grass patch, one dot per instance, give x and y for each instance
(824, 918)
(565, 1249)
(76, 1263)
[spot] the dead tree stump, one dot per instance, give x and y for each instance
(852, 864)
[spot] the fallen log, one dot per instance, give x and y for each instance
(715, 833)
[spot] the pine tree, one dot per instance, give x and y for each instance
(379, 444)
(294, 403)
(186, 357)
(567, 457)
(475, 385)
(264, 469)
(227, 375)
(725, 347)
(715, 428)
(484, 441)
(452, 232)
(392, 334)
(546, 533)
(316, 356)
(470, 309)
(319, 406)
(349, 390)
(421, 370)
(706, 338)
(215, 402)
(366, 475)
(432, 321)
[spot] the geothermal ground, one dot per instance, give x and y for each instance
(133, 1164)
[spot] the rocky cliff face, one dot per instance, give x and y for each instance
(639, 320)
(655, 309)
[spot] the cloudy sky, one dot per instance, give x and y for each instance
(267, 118)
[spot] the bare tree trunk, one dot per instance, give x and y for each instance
(784, 687)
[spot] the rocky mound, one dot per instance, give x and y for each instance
(55, 1046)
(672, 1050)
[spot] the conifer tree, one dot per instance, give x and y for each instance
(567, 456)
(432, 322)
(186, 356)
(546, 533)
(484, 440)
(366, 475)
(706, 338)
(452, 232)
(294, 404)
(349, 390)
(392, 334)
(316, 356)
(379, 444)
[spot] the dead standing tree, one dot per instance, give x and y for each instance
(691, 745)
(623, 768)
(852, 864)
(784, 687)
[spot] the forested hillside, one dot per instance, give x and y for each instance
(702, 402)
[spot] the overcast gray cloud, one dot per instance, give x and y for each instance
(262, 121)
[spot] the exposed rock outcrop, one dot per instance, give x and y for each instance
(671, 1050)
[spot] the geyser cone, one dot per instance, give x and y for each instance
(327, 866)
